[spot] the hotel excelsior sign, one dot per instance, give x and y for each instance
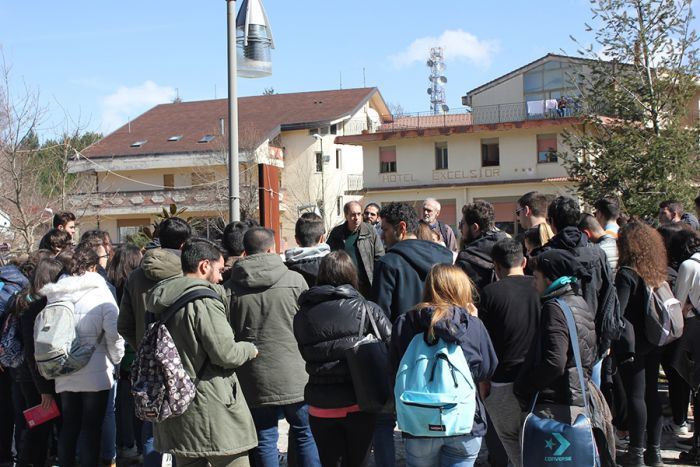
(440, 175)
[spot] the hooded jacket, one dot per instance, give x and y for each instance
(328, 323)
(458, 327)
(306, 260)
(95, 312)
(157, 264)
(550, 368)
(264, 296)
(218, 421)
(475, 258)
(599, 292)
(400, 274)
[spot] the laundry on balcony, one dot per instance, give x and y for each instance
(535, 108)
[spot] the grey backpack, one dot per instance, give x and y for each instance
(57, 349)
(159, 383)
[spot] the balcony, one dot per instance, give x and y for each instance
(355, 182)
(482, 115)
(147, 202)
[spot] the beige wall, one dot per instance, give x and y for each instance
(415, 160)
(507, 92)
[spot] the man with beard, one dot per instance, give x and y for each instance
(431, 211)
(480, 234)
(360, 241)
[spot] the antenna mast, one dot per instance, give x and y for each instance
(436, 91)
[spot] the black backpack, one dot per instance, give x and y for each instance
(479, 267)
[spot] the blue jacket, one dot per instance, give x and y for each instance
(400, 274)
(459, 327)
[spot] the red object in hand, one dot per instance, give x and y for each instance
(37, 415)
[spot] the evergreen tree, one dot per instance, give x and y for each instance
(639, 134)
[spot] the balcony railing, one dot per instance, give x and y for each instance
(124, 201)
(483, 115)
(355, 182)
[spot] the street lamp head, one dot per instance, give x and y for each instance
(316, 136)
(253, 40)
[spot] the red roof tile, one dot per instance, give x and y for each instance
(259, 118)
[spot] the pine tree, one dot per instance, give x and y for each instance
(639, 136)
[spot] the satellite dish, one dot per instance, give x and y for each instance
(429, 63)
(430, 90)
(442, 80)
(445, 108)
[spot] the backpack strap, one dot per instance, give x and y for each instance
(367, 313)
(573, 337)
(202, 292)
(443, 232)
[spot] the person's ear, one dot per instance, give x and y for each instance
(523, 263)
(203, 267)
(402, 229)
(322, 239)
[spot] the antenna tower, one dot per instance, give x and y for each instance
(436, 91)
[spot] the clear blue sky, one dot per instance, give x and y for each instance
(101, 62)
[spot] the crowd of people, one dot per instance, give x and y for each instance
(552, 323)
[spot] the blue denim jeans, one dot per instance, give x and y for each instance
(266, 420)
(452, 451)
(151, 457)
(384, 449)
(108, 445)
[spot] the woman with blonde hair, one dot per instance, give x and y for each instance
(447, 312)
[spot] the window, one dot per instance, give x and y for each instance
(127, 228)
(138, 144)
(206, 138)
(546, 148)
(387, 159)
(339, 206)
(338, 159)
(441, 156)
(168, 181)
(489, 152)
(175, 138)
(319, 162)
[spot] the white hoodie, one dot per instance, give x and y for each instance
(95, 311)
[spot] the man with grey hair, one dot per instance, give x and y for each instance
(431, 211)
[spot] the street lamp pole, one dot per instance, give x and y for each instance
(323, 180)
(234, 201)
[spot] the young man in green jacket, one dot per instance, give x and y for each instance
(264, 295)
(217, 428)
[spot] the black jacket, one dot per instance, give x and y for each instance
(400, 274)
(599, 292)
(369, 246)
(459, 327)
(551, 368)
(328, 323)
(634, 297)
(475, 258)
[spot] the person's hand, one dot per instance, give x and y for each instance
(46, 400)
(484, 389)
(255, 353)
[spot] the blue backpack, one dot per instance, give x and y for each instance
(435, 393)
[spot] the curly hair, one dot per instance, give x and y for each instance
(642, 249)
(480, 213)
(393, 213)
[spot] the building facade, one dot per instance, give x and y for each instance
(177, 153)
(509, 143)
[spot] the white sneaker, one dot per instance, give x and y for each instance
(678, 430)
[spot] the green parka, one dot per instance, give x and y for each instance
(264, 295)
(218, 421)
